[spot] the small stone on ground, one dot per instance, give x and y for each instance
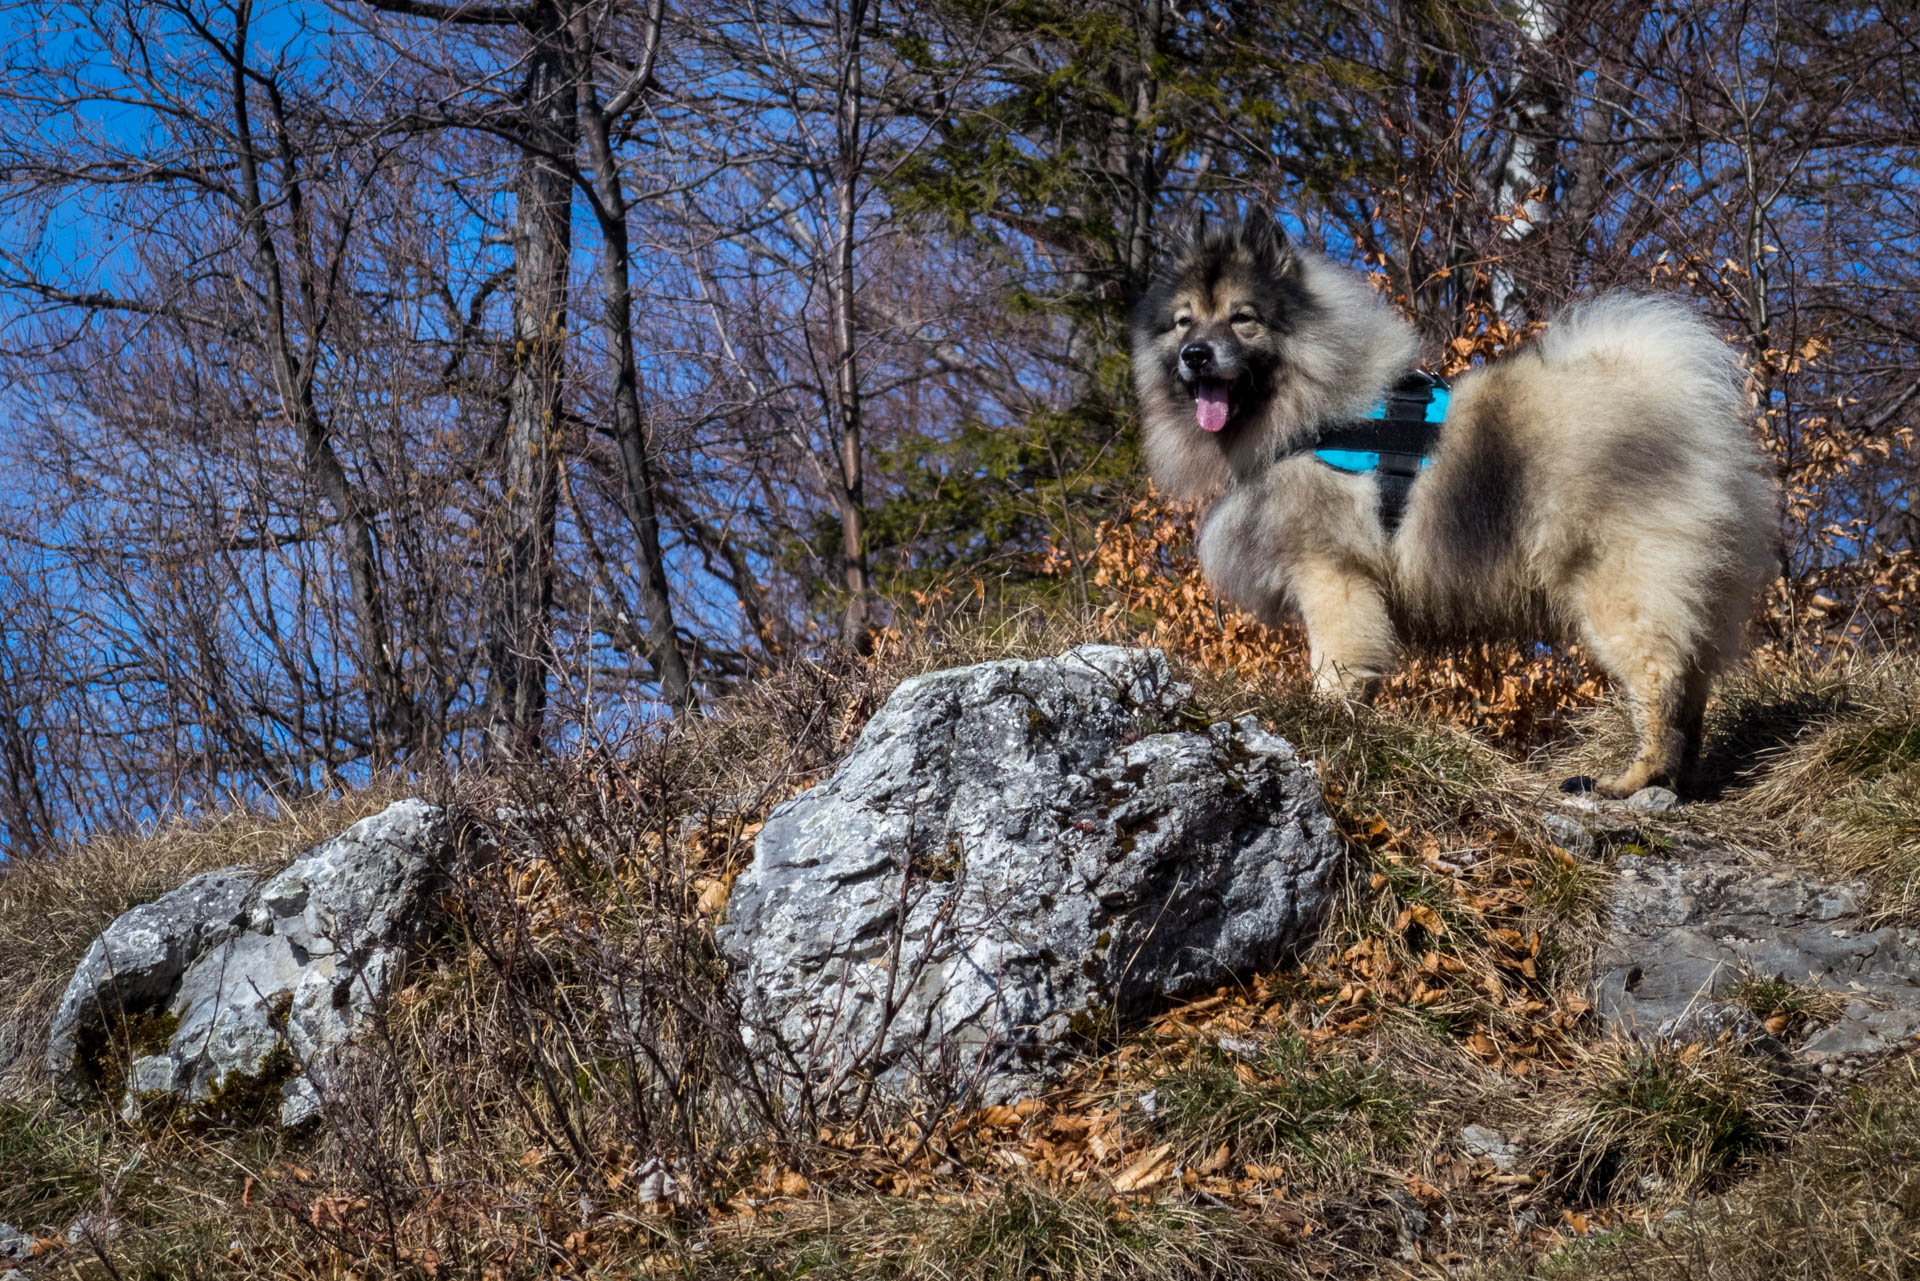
(1569, 834)
(1653, 800)
(1485, 1141)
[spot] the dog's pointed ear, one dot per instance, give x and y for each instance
(1183, 238)
(1267, 242)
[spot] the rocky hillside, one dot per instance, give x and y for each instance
(1075, 965)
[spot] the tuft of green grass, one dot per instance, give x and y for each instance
(1413, 770)
(1564, 887)
(1798, 1003)
(1843, 1201)
(1018, 1233)
(1286, 1103)
(1682, 1118)
(1871, 750)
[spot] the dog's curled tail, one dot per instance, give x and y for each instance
(1663, 342)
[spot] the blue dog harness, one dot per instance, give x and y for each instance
(1393, 442)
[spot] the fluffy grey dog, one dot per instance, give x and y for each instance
(1603, 485)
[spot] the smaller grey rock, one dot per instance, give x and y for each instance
(136, 964)
(14, 1274)
(15, 1245)
(258, 978)
(300, 1104)
(151, 1088)
(1653, 800)
(1710, 1022)
(1569, 834)
(1485, 1141)
(98, 1228)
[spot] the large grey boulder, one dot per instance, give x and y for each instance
(135, 967)
(1683, 933)
(1012, 851)
(231, 986)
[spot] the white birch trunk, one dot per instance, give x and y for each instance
(1529, 154)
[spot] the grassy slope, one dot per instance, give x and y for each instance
(1307, 1123)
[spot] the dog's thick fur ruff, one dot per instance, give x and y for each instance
(1602, 485)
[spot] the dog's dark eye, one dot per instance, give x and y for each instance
(1246, 318)
(1181, 322)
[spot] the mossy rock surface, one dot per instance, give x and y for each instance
(221, 994)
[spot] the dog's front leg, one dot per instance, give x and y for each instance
(1350, 639)
(1297, 538)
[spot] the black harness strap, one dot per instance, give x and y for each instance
(1399, 440)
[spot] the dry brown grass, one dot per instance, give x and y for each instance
(1637, 1121)
(1842, 1202)
(1015, 1233)
(1848, 782)
(572, 1038)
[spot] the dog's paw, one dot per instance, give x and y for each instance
(1580, 785)
(1618, 787)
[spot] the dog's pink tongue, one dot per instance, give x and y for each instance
(1211, 404)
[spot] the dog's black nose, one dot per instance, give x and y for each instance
(1197, 356)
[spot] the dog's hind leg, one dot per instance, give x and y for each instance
(1656, 693)
(1349, 632)
(1692, 720)
(1647, 655)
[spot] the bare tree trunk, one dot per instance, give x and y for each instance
(518, 645)
(1143, 176)
(852, 497)
(26, 819)
(391, 719)
(629, 427)
(1530, 152)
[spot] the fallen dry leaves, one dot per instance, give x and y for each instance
(1457, 938)
(1147, 568)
